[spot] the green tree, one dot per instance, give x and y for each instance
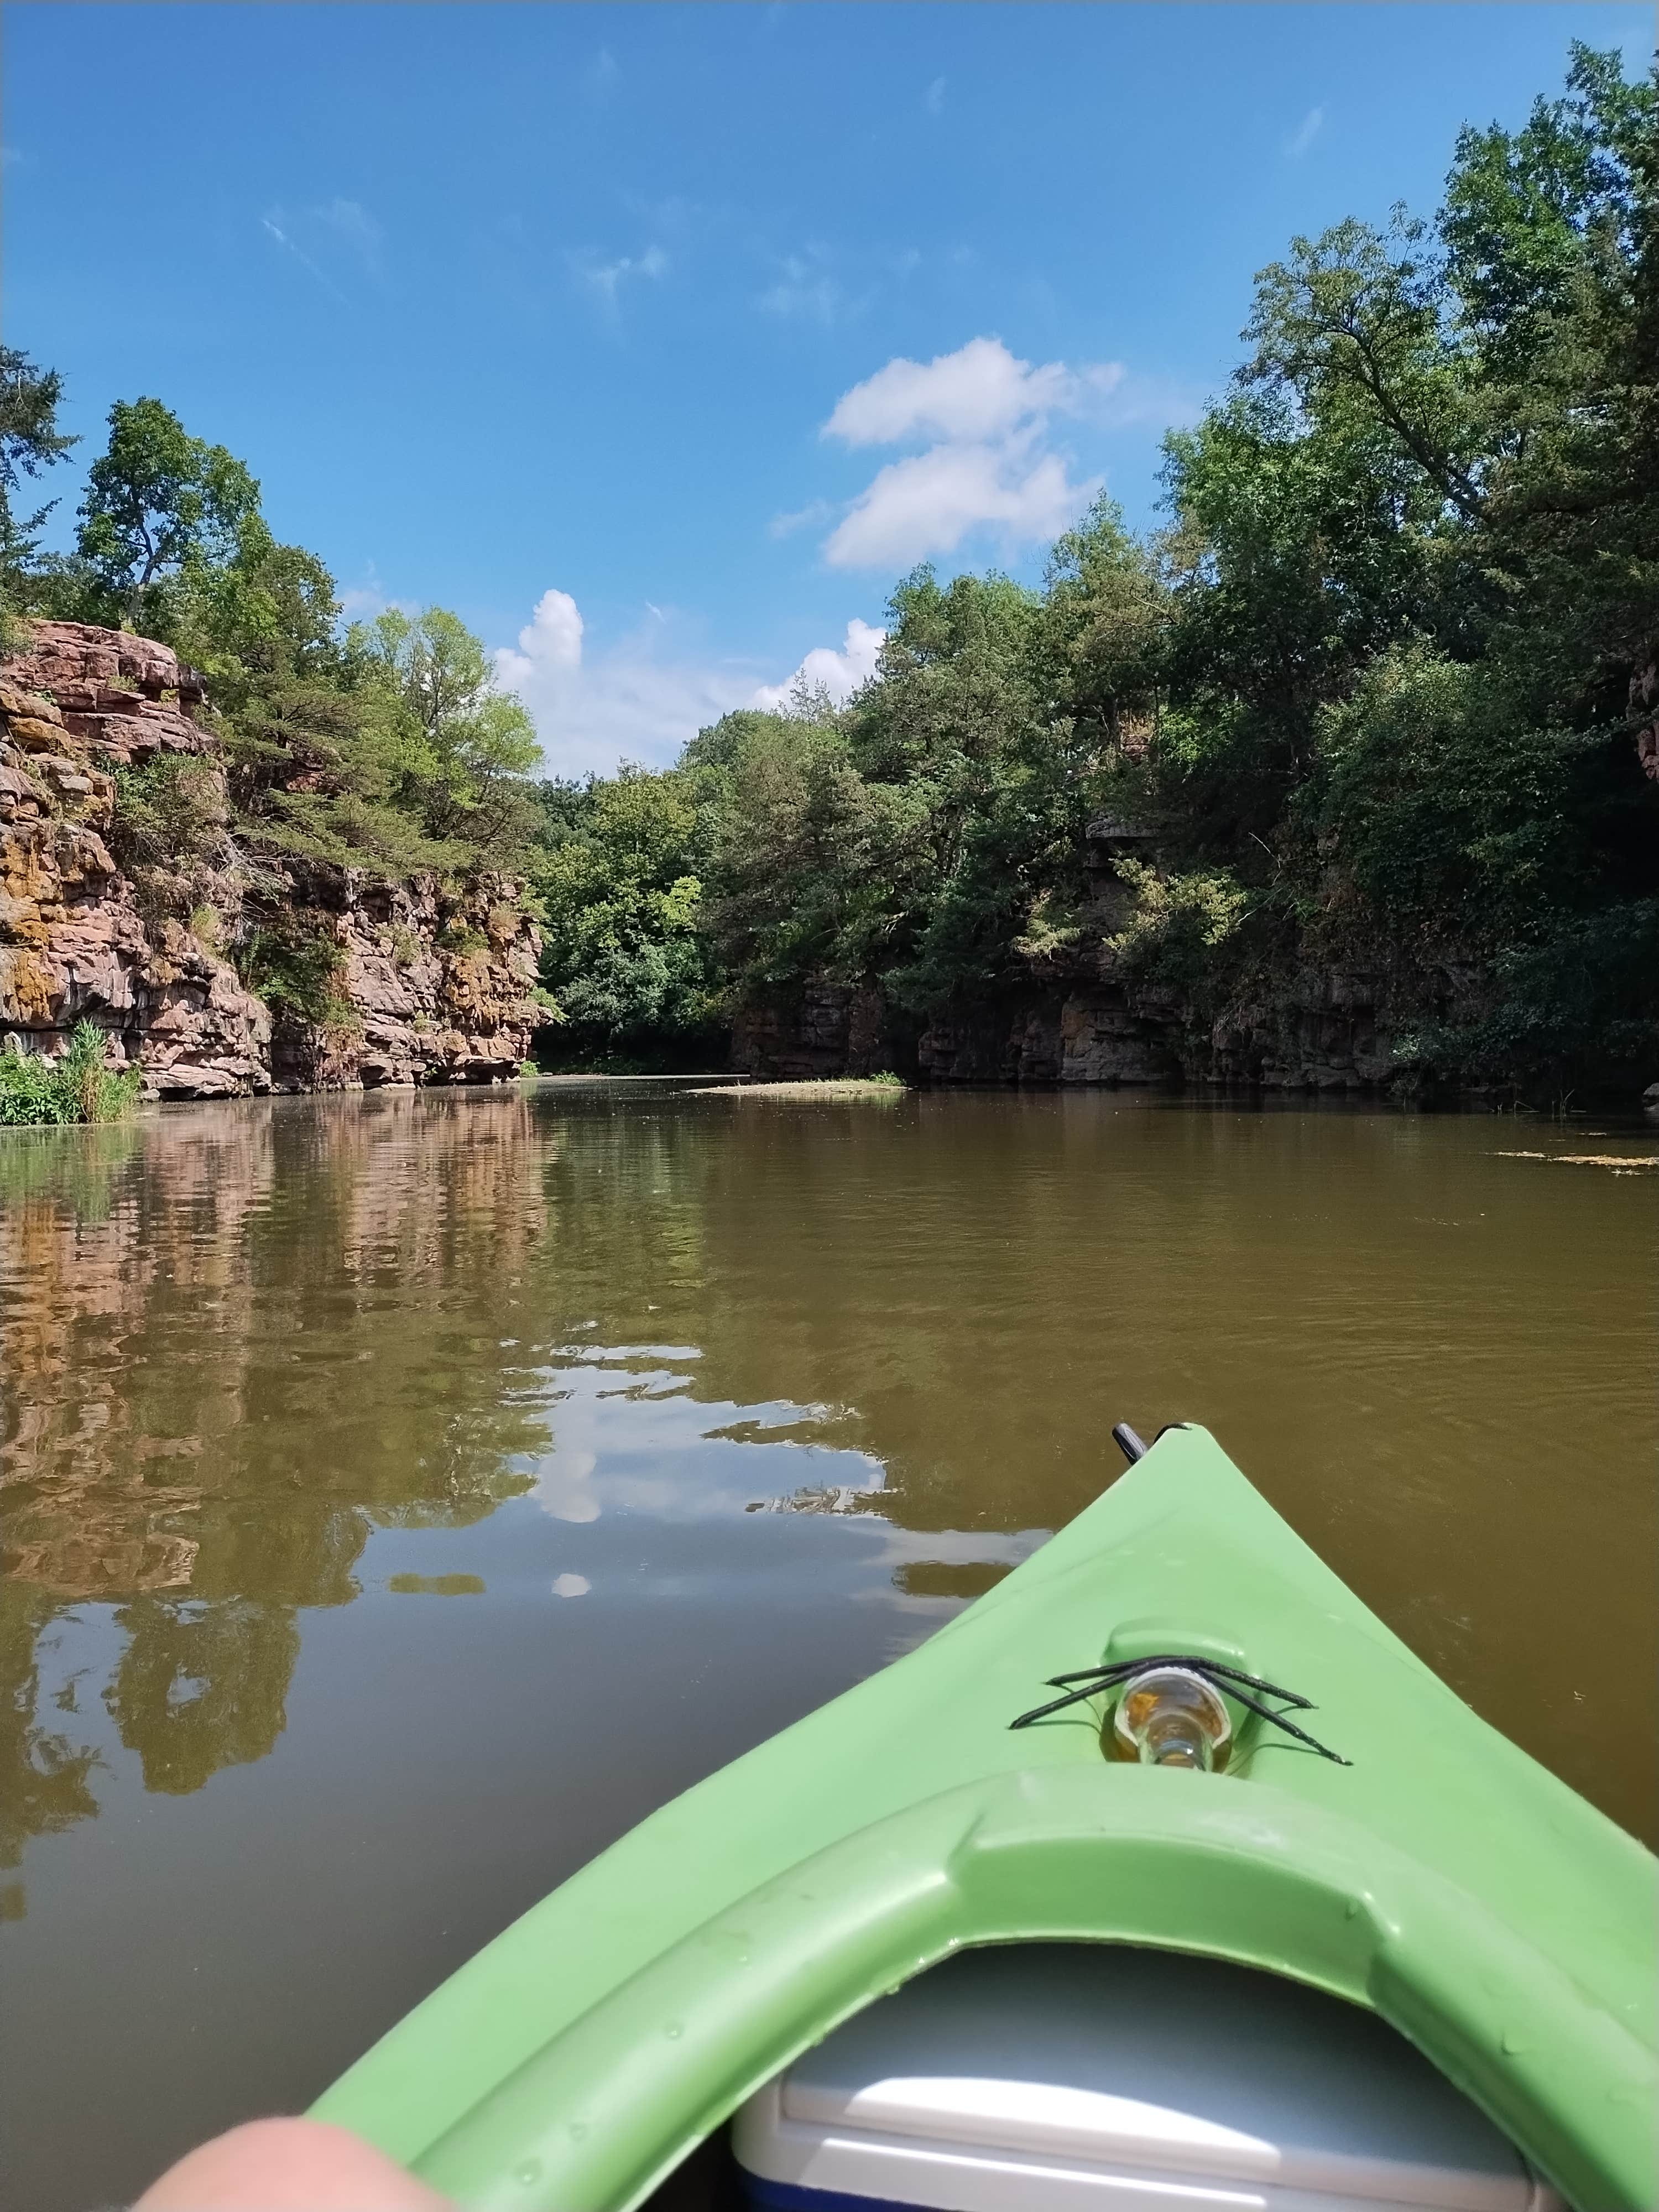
(30, 441)
(620, 887)
(467, 747)
(815, 867)
(157, 498)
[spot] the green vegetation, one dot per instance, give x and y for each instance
(77, 1086)
(296, 968)
(29, 441)
(625, 955)
(886, 1085)
(383, 746)
(1366, 703)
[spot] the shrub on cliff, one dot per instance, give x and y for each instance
(79, 1085)
(296, 967)
(385, 746)
(170, 832)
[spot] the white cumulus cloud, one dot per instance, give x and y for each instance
(975, 393)
(636, 699)
(641, 698)
(984, 417)
(839, 672)
(929, 502)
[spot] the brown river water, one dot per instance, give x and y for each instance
(404, 1494)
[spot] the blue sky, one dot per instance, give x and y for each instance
(616, 328)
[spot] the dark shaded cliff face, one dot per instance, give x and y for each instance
(1085, 1013)
(433, 982)
(1334, 1036)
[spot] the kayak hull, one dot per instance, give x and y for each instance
(1442, 1880)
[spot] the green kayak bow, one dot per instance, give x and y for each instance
(1440, 1877)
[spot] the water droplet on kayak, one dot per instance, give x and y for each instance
(578, 2130)
(1514, 2042)
(673, 2031)
(1350, 1911)
(529, 2173)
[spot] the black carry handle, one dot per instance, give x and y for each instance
(1134, 1447)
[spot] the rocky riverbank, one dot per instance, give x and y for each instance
(1083, 1015)
(431, 981)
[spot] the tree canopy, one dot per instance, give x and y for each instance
(157, 498)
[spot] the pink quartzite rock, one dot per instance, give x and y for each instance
(83, 703)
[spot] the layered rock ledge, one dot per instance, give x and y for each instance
(435, 981)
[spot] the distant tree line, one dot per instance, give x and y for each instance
(1370, 696)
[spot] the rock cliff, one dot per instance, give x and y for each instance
(1332, 1035)
(1084, 1018)
(433, 982)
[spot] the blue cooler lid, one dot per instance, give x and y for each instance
(1053, 2077)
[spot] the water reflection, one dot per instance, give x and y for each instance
(227, 1351)
(401, 1495)
(44, 1772)
(236, 1344)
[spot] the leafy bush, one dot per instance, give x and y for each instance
(78, 1086)
(1179, 920)
(296, 968)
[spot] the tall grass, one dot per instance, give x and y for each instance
(77, 1086)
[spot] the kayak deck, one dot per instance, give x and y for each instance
(1443, 1879)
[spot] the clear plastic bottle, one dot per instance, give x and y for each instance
(1169, 1716)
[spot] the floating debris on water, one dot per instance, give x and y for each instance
(1621, 1163)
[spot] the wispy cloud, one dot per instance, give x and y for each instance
(340, 236)
(933, 98)
(832, 285)
(802, 518)
(806, 288)
(607, 278)
(276, 224)
(362, 602)
(602, 75)
(350, 221)
(1304, 134)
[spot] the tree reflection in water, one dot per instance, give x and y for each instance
(227, 1341)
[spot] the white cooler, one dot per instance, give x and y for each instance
(1095, 2078)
